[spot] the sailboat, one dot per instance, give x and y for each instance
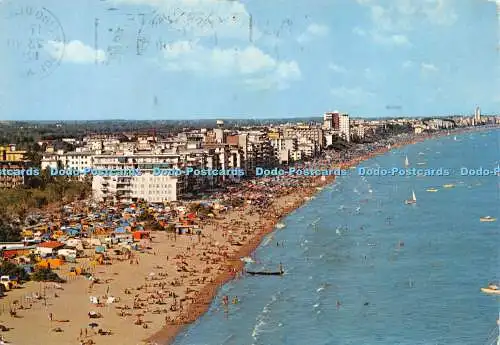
(407, 163)
(413, 199)
(494, 336)
(498, 324)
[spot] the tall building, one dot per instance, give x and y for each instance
(328, 121)
(220, 136)
(344, 127)
(477, 115)
(331, 120)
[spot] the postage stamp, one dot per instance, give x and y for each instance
(35, 39)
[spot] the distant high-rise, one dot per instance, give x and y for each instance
(339, 123)
(477, 115)
(345, 127)
(219, 132)
(331, 120)
(327, 121)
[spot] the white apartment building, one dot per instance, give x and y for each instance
(283, 148)
(49, 160)
(358, 130)
(307, 147)
(345, 127)
(77, 160)
(145, 186)
(313, 133)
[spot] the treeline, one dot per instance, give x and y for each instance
(16, 203)
(25, 132)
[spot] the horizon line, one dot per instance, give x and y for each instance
(243, 119)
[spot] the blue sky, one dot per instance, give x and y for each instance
(188, 59)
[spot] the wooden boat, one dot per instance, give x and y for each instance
(265, 273)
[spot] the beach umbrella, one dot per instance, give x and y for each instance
(93, 325)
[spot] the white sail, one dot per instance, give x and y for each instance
(498, 323)
(413, 196)
(407, 163)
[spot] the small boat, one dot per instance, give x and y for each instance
(450, 185)
(411, 201)
(265, 273)
(492, 289)
(487, 219)
(421, 163)
(432, 190)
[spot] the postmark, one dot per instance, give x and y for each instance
(35, 39)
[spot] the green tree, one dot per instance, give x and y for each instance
(9, 269)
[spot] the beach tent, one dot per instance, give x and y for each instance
(72, 231)
(100, 249)
(120, 230)
(139, 235)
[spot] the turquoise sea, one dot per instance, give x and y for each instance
(345, 246)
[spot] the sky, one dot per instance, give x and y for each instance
(193, 59)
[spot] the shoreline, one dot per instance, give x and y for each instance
(187, 269)
(168, 334)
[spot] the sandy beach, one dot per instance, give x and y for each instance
(155, 293)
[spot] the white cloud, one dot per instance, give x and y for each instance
(428, 67)
(312, 31)
(405, 15)
(336, 68)
(75, 51)
(389, 22)
(258, 68)
(280, 78)
(407, 64)
(358, 31)
(364, 2)
(351, 93)
(395, 40)
(201, 18)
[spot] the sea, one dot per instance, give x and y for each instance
(362, 267)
